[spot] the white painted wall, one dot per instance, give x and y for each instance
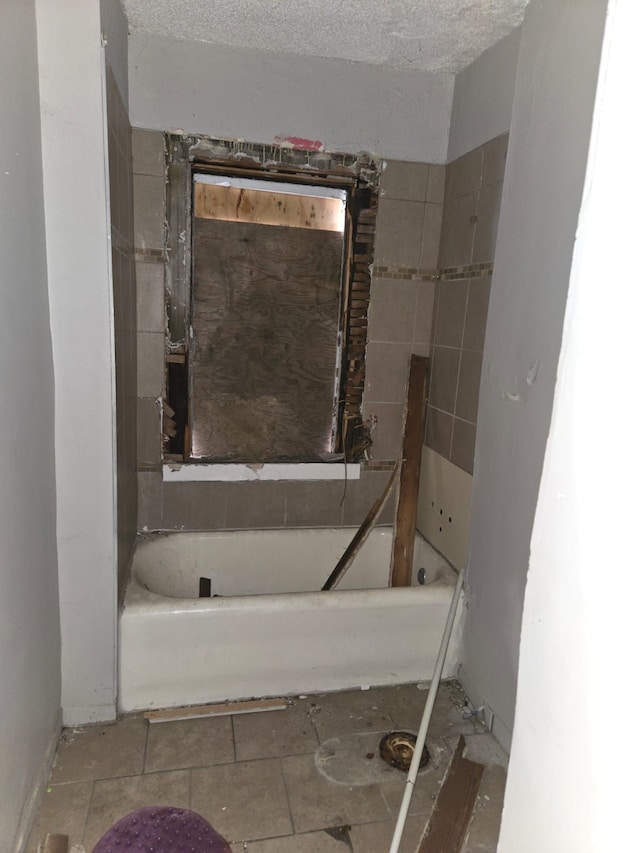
(29, 619)
(483, 97)
(231, 92)
(115, 31)
(572, 785)
(546, 162)
(78, 257)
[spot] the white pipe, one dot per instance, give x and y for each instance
(426, 719)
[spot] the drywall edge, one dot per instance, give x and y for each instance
(572, 775)
(71, 62)
(544, 178)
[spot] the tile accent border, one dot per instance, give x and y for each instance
(447, 274)
(467, 271)
(406, 273)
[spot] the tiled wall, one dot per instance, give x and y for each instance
(473, 189)
(402, 293)
(407, 241)
(124, 301)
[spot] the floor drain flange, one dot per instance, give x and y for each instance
(397, 748)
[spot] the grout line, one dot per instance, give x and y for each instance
(233, 738)
(88, 812)
(286, 793)
(144, 751)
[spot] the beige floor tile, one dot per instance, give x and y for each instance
(243, 801)
(310, 842)
(335, 714)
(189, 743)
(275, 733)
(115, 798)
(63, 811)
(376, 837)
(484, 828)
(100, 752)
(317, 803)
(406, 705)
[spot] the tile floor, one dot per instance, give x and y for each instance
(306, 780)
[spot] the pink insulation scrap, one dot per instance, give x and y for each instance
(299, 142)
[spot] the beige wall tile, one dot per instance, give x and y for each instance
(149, 432)
(312, 504)
(477, 308)
(431, 234)
(464, 175)
(399, 232)
(148, 218)
(148, 151)
(408, 181)
(463, 445)
(387, 436)
(494, 160)
(392, 310)
(150, 309)
(387, 372)
(149, 500)
(484, 243)
(425, 298)
(439, 431)
(451, 307)
(255, 505)
(458, 231)
(435, 190)
(194, 506)
(361, 496)
(469, 385)
(150, 364)
(444, 378)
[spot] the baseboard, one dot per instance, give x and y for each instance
(496, 725)
(32, 803)
(82, 715)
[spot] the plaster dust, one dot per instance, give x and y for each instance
(425, 35)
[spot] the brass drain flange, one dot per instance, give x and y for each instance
(397, 748)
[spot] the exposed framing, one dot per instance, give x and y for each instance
(358, 175)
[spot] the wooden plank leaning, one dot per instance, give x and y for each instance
(363, 532)
(407, 501)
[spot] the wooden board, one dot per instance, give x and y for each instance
(455, 804)
(221, 709)
(407, 503)
(233, 204)
(265, 324)
(362, 534)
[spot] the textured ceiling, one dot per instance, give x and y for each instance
(427, 35)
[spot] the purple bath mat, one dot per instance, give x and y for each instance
(162, 829)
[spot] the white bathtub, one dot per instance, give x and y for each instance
(270, 631)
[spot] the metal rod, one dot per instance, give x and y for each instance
(426, 719)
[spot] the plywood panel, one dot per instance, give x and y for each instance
(236, 204)
(265, 319)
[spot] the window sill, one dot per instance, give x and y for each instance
(233, 473)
